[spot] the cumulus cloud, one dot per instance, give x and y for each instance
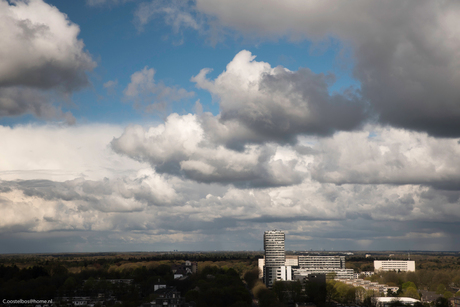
(150, 208)
(150, 95)
(16, 101)
(182, 147)
(388, 155)
(276, 104)
(181, 198)
(43, 205)
(406, 54)
(353, 184)
(40, 54)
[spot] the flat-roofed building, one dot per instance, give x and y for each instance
(322, 262)
(274, 248)
(390, 301)
(291, 261)
(394, 265)
(330, 273)
(274, 264)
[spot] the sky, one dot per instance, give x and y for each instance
(197, 125)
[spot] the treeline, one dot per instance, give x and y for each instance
(240, 261)
(212, 286)
(215, 286)
(285, 293)
(361, 263)
(48, 282)
(348, 295)
(423, 279)
(111, 258)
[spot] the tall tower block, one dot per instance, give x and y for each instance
(275, 256)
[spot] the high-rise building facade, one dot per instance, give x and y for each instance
(275, 258)
(274, 248)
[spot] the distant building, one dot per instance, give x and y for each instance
(329, 265)
(369, 285)
(322, 262)
(184, 269)
(167, 297)
(291, 261)
(387, 301)
(274, 267)
(302, 266)
(274, 248)
(394, 265)
(428, 296)
(455, 301)
(365, 273)
(121, 281)
(277, 266)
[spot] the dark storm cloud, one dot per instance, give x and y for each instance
(41, 58)
(263, 104)
(409, 71)
(311, 109)
(15, 101)
(405, 53)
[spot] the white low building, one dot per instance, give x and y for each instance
(386, 301)
(291, 261)
(394, 265)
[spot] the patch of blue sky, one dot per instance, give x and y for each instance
(120, 50)
(372, 134)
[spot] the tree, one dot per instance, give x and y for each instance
(448, 294)
(316, 292)
(408, 284)
(441, 289)
(267, 298)
(411, 292)
(90, 285)
(287, 291)
(331, 292)
(257, 288)
(456, 281)
(250, 277)
(441, 302)
(360, 294)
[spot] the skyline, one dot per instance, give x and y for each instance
(197, 125)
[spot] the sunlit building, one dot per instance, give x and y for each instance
(274, 267)
(394, 265)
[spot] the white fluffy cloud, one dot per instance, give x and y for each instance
(182, 147)
(283, 153)
(138, 206)
(388, 155)
(39, 52)
(276, 104)
(405, 54)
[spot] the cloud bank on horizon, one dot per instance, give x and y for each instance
(163, 125)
